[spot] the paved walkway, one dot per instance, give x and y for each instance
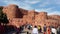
(24, 32)
(20, 33)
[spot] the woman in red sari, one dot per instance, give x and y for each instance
(48, 30)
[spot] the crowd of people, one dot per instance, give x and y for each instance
(46, 30)
(34, 29)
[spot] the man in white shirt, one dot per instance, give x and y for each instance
(35, 30)
(54, 31)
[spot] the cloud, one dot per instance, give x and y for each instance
(54, 13)
(45, 9)
(43, 4)
(26, 6)
(32, 1)
(50, 11)
(19, 3)
(57, 2)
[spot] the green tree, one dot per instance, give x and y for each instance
(3, 17)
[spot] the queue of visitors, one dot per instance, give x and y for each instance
(47, 30)
(34, 29)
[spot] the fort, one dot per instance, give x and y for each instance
(18, 16)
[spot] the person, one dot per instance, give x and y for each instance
(17, 30)
(1, 29)
(35, 30)
(58, 30)
(53, 30)
(29, 27)
(21, 28)
(48, 30)
(39, 29)
(44, 28)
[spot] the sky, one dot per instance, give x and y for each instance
(52, 7)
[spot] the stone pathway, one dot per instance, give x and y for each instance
(24, 32)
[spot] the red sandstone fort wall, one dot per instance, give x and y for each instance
(18, 16)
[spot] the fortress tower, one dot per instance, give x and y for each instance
(10, 10)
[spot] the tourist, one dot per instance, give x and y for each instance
(48, 30)
(1, 29)
(44, 28)
(29, 27)
(58, 30)
(53, 30)
(17, 30)
(21, 28)
(35, 30)
(39, 28)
